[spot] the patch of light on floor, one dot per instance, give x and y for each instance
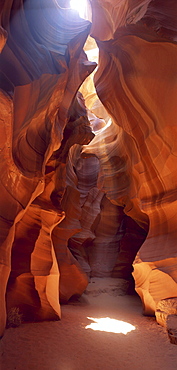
(110, 325)
(80, 6)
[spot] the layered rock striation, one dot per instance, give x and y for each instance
(42, 66)
(138, 54)
(85, 191)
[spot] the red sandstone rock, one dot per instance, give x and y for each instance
(135, 82)
(43, 66)
(68, 210)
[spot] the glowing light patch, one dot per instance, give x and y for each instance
(92, 53)
(80, 6)
(110, 325)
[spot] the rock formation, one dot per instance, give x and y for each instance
(42, 67)
(87, 189)
(138, 54)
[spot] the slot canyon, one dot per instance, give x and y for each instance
(88, 107)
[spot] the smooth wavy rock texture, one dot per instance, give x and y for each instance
(85, 191)
(136, 82)
(42, 67)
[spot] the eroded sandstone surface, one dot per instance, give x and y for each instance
(88, 181)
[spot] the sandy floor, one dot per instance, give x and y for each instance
(68, 345)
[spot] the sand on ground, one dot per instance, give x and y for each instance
(68, 345)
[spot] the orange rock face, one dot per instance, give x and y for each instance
(80, 198)
(43, 65)
(136, 83)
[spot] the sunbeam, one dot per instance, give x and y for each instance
(80, 6)
(110, 325)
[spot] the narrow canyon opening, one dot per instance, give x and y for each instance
(88, 165)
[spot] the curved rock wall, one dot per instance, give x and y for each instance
(42, 67)
(139, 57)
(81, 193)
